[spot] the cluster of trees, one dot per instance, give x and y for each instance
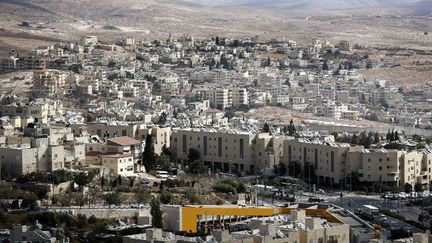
(59, 176)
(266, 128)
(365, 139)
(195, 164)
(29, 198)
(152, 161)
(287, 130)
(392, 136)
(192, 196)
(69, 199)
(290, 129)
(163, 118)
(229, 186)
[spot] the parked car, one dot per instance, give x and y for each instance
(403, 195)
(320, 191)
(4, 232)
(316, 199)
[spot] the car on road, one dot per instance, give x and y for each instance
(413, 195)
(320, 191)
(316, 199)
(4, 232)
(403, 195)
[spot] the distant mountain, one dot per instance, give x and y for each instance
(421, 8)
(415, 6)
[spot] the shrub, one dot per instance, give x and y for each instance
(192, 196)
(166, 197)
(224, 188)
(229, 186)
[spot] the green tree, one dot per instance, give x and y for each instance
(197, 167)
(266, 128)
(102, 182)
(64, 200)
(156, 213)
(325, 66)
(193, 155)
(420, 146)
(148, 158)
(377, 138)
(281, 169)
(165, 150)
(294, 169)
(163, 118)
(192, 196)
(163, 162)
(418, 187)
(394, 145)
(291, 128)
(396, 136)
(355, 139)
(42, 192)
(417, 138)
(142, 196)
(113, 199)
(29, 200)
(80, 199)
(83, 178)
(408, 187)
(166, 197)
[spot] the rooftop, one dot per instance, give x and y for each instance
(124, 141)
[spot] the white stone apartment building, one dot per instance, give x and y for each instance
(19, 160)
(219, 98)
(118, 164)
(333, 163)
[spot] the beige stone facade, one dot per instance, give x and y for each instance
(334, 163)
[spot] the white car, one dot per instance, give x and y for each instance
(320, 191)
(4, 232)
(402, 195)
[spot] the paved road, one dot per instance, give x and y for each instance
(353, 202)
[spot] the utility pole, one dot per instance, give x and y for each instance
(341, 193)
(309, 179)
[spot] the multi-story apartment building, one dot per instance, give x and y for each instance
(333, 163)
(219, 98)
(239, 96)
(48, 82)
(223, 151)
(20, 160)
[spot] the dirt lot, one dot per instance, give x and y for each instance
(9, 84)
(277, 114)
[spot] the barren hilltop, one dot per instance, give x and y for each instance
(46, 21)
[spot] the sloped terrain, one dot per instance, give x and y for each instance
(149, 19)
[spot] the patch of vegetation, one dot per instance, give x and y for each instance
(229, 187)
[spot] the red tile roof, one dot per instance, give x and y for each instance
(124, 141)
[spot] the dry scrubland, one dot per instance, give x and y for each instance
(53, 21)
